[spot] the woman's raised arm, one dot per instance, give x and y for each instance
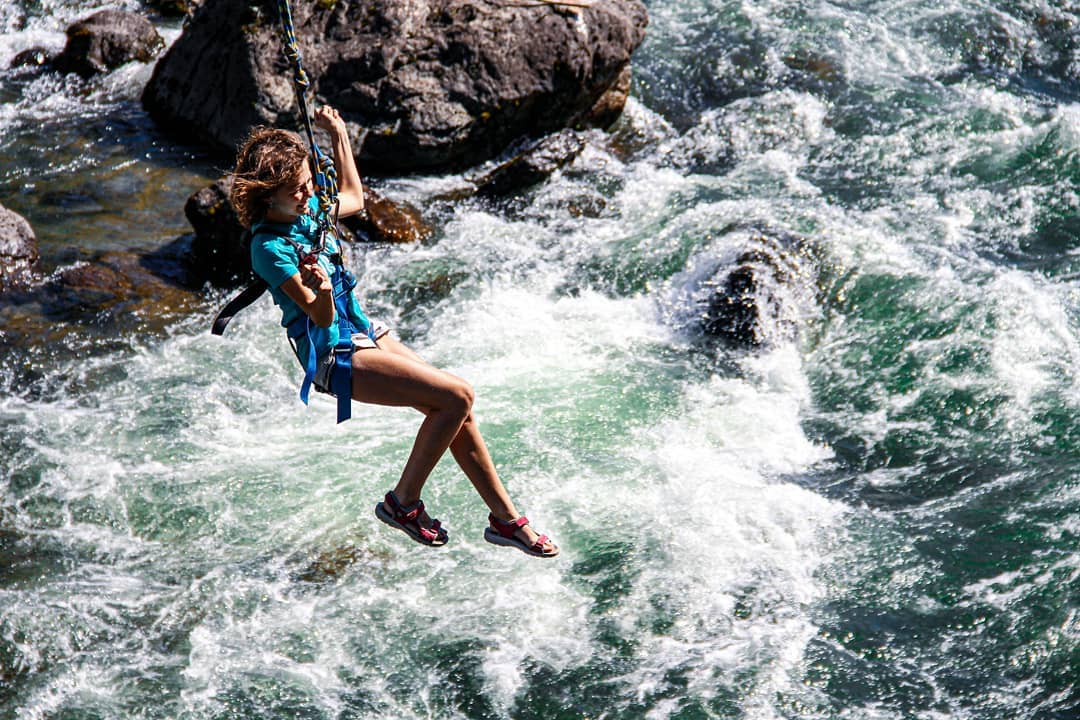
(350, 189)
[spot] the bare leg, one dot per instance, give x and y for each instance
(384, 378)
(469, 450)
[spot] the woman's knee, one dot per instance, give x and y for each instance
(457, 398)
(463, 397)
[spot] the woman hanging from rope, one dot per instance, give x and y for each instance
(273, 194)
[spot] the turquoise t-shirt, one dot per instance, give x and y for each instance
(275, 260)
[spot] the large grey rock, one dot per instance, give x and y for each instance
(18, 250)
(105, 41)
(426, 84)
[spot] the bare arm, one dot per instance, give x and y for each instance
(312, 290)
(350, 188)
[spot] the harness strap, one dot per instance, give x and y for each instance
(246, 297)
(298, 328)
(343, 283)
(341, 376)
(341, 379)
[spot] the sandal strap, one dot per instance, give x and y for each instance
(408, 512)
(430, 534)
(507, 528)
(538, 546)
(411, 514)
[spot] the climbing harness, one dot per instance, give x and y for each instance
(343, 281)
(348, 327)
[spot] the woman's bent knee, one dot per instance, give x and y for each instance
(461, 398)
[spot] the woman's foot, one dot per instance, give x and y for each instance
(518, 533)
(411, 519)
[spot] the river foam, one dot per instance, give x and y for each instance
(860, 518)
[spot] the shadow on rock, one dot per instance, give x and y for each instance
(109, 294)
(530, 165)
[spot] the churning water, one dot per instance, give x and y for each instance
(872, 514)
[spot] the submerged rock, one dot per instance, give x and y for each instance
(755, 299)
(1039, 47)
(106, 40)
(18, 250)
(147, 286)
(99, 301)
(422, 84)
(330, 565)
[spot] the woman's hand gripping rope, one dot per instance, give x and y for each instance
(314, 276)
(330, 120)
(350, 195)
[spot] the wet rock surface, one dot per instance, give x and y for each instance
(422, 84)
(220, 250)
(31, 57)
(18, 250)
(385, 220)
(1042, 52)
(106, 40)
(754, 300)
(174, 8)
(532, 165)
(96, 303)
(731, 64)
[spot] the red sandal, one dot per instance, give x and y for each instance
(407, 519)
(501, 532)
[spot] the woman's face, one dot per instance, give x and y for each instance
(290, 201)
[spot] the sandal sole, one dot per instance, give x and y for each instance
(383, 514)
(496, 539)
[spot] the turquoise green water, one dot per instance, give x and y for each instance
(873, 515)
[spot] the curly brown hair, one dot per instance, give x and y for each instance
(268, 160)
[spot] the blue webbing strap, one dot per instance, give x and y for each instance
(326, 193)
(301, 327)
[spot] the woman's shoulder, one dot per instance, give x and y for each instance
(270, 248)
(265, 241)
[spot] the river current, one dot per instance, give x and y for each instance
(872, 515)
